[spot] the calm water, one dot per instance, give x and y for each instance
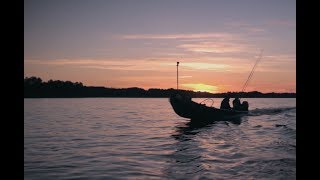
(129, 138)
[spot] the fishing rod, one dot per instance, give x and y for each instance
(177, 76)
(251, 73)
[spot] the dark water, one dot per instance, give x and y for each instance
(128, 138)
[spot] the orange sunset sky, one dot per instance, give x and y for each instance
(136, 43)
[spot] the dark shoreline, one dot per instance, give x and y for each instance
(35, 88)
(140, 97)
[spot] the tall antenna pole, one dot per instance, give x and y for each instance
(177, 76)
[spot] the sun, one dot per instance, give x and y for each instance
(202, 90)
(202, 87)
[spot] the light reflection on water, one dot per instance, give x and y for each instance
(129, 138)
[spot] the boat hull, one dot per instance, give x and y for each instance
(186, 108)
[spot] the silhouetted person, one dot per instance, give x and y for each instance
(225, 103)
(245, 106)
(236, 103)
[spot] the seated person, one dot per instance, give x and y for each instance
(236, 104)
(245, 106)
(225, 103)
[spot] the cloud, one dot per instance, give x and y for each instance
(179, 36)
(107, 64)
(81, 62)
(244, 27)
(256, 30)
(215, 47)
(217, 64)
(215, 42)
(283, 58)
(183, 77)
(282, 22)
(190, 65)
(208, 66)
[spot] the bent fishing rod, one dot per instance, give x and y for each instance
(251, 73)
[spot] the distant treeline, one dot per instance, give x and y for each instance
(34, 87)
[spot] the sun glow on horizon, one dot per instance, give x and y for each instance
(202, 87)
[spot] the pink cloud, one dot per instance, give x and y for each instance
(178, 36)
(215, 47)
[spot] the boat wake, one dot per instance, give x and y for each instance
(269, 111)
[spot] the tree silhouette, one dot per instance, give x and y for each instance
(34, 87)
